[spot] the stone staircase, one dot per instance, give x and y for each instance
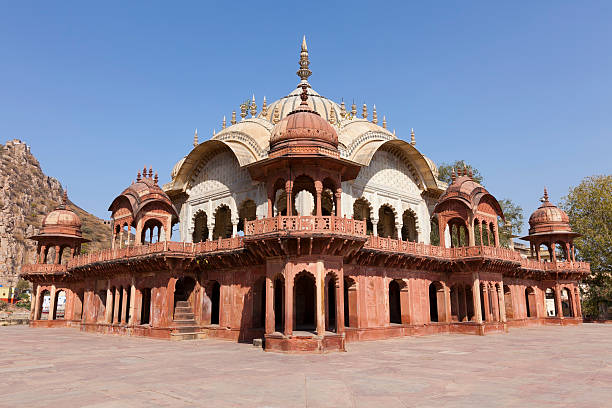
(185, 327)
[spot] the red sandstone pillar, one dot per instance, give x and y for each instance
(269, 306)
(340, 305)
(502, 302)
(116, 317)
(485, 294)
(558, 300)
(339, 202)
(52, 302)
(288, 192)
(320, 288)
(476, 298)
(37, 300)
(124, 306)
(288, 303)
(578, 305)
(270, 205)
(318, 190)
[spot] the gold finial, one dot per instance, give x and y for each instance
(144, 172)
(264, 108)
(412, 139)
(223, 123)
(353, 109)
(384, 122)
(243, 109)
(253, 107)
(233, 121)
(138, 176)
(364, 112)
(156, 178)
(342, 109)
(195, 138)
(374, 115)
(150, 171)
(304, 72)
(276, 117)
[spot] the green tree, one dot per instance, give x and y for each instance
(22, 285)
(515, 219)
(589, 207)
(445, 170)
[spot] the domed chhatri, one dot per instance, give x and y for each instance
(467, 206)
(61, 229)
(549, 226)
(145, 207)
(303, 131)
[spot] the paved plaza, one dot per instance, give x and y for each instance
(543, 366)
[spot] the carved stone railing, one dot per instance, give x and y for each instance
(306, 223)
(169, 247)
(43, 268)
(420, 249)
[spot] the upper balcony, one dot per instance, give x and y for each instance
(306, 225)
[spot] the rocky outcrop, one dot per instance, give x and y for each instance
(26, 196)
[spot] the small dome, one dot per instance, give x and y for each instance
(62, 221)
(289, 103)
(303, 131)
(548, 218)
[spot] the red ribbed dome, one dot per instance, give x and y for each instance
(62, 221)
(303, 131)
(548, 218)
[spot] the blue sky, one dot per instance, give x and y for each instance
(521, 90)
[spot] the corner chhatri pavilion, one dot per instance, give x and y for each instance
(307, 226)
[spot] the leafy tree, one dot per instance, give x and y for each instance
(445, 170)
(514, 217)
(22, 285)
(589, 207)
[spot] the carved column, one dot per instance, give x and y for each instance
(340, 305)
(37, 300)
(319, 287)
(502, 302)
(578, 305)
(288, 192)
(374, 227)
(476, 298)
(270, 203)
(124, 306)
(132, 302)
(318, 190)
(116, 317)
(234, 228)
(485, 294)
(269, 329)
(339, 202)
(558, 300)
(52, 303)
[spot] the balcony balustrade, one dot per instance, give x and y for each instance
(306, 223)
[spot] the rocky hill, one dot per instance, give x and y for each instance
(26, 195)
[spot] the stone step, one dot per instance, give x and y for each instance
(183, 309)
(184, 336)
(184, 316)
(186, 322)
(186, 329)
(182, 303)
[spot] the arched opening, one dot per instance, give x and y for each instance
(551, 304)
(304, 203)
(200, 226)
(304, 302)
(280, 198)
(128, 296)
(145, 309)
(259, 303)
(184, 292)
(434, 233)
(279, 304)
(327, 202)
(248, 211)
(530, 304)
(50, 254)
(362, 212)
(436, 302)
(350, 303)
(330, 315)
(45, 304)
(119, 306)
(469, 303)
(508, 302)
(561, 251)
(477, 232)
(151, 231)
(395, 304)
(566, 303)
(64, 255)
(215, 300)
(409, 229)
(454, 297)
(386, 222)
(223, 222)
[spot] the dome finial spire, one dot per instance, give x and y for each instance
(65, 197)
(545, 198)
(412, 138)
(195, 138)
(304, 72)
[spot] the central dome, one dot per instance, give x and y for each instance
(303, 131)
